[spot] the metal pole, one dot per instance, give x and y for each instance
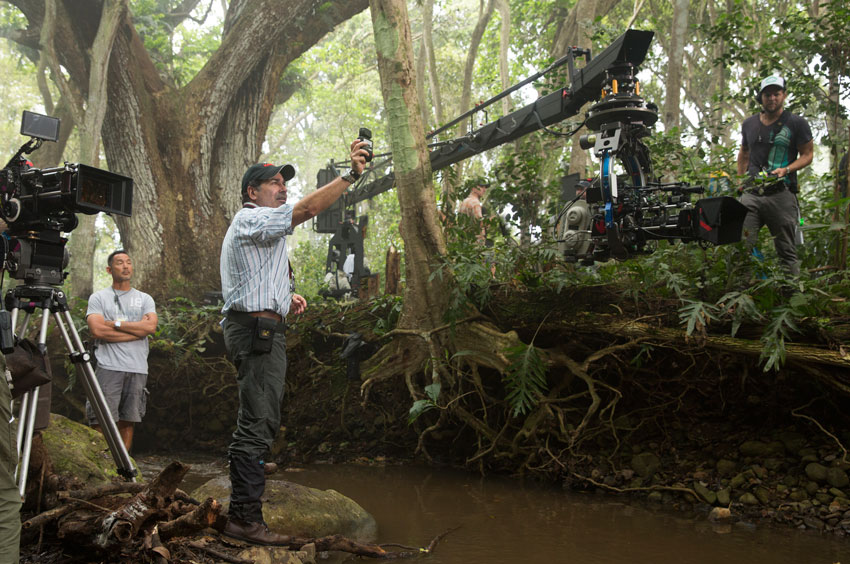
(27, 419)
(25, 399)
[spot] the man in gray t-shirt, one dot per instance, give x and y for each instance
(120, 318)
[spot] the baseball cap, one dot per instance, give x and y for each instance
(264, 171)
(772, 80)
(480, 181)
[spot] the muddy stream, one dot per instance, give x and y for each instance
(502, 520)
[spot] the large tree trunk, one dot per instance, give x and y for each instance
(425, 300)
(574, 30)
(504, 43)
(186, 148)
(433, 77)
(471, 55)
(675, 59)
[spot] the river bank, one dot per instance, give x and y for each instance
(502, 519)
(674, 425)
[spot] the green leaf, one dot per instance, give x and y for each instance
(696, 314)
(524, 379)
(433, 391)
(418, 408)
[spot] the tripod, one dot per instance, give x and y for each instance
(53, 301)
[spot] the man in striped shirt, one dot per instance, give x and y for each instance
(256, 282)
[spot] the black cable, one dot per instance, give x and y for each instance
(570, 134)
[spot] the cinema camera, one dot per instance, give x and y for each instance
(618, 213)
(38, 205)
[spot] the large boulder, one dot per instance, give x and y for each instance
(79, 451)
(293, 509)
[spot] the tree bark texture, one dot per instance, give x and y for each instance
(186, 148)
(471, 55)
(425, 300)
(504, 9)
(675, 59)
(433, 77)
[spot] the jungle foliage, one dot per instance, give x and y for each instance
(334, 88)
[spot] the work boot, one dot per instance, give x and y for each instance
(254, 533)
(269, 468)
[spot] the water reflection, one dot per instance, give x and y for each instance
(506, 521)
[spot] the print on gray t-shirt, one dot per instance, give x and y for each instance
(131, 356)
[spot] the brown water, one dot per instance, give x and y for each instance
(506, 521)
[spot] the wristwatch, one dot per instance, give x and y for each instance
(351, 176)
(117, 324)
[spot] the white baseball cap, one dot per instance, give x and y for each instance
(772, 80)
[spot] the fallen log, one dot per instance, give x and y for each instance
(796, 354)
(111, 488)
(122, 524)
(202, 517)
(47, 516)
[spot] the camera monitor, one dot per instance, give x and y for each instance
(101, 191)
(40, 126)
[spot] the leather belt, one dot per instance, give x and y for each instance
(249, 318)
(768, 190)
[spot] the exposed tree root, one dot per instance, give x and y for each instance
(796, 413)
(637, 489)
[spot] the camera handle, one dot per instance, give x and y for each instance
(27, 148)
(53, 301)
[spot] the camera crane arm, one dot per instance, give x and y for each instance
(586, 85)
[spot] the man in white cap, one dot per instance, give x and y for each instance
(775, 144)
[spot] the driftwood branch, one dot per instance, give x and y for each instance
(344, 544)
(122, 524)
(111, 488)
(202, 517)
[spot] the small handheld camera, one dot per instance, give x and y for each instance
(366, 135)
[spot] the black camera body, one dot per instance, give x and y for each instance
(39, 205)
(366, 135)
(617, 214)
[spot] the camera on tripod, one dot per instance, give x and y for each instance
(38, 205)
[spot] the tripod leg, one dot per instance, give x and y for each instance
(29, 408)
(96, 397)
(25, 399)
(27, 421)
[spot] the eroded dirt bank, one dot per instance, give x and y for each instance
(667, 420)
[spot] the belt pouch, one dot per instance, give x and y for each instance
(263, 337)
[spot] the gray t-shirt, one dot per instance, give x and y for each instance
(114, 305)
